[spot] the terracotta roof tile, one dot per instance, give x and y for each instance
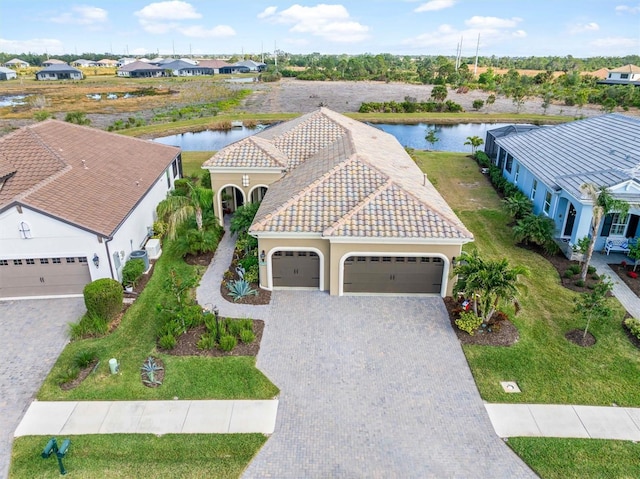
(252, 152)
(82, 175)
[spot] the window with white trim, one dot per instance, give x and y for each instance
(547, 202)
(618, 224)
(509, 164)
(517, 174)
(534, 187)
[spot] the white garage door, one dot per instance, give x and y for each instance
(43, 276)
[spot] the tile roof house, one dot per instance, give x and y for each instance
(186, 69)
(215, 64)
(550, 164)
(53, 61)
(140, 69)
(74, 203)
(59, 72)
(626, 75)
(344, 208)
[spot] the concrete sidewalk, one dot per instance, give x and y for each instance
(550, 420)
(148, 417)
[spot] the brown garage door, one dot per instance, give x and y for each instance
(392, 274)
(296, 269)
(43, 276)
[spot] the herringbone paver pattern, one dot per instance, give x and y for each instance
(373, 387)
(34, 332)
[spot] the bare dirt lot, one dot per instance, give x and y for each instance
(291, 95)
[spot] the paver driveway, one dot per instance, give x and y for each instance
(373, 387)
(34, 332)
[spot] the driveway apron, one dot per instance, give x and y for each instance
(34, 333)
(373, 387)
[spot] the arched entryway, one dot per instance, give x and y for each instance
(257, 193)
(230, 198)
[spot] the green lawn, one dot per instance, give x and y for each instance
(547, 367)
(134, 340)
(558, 458)
(194, 456)
(192, 161)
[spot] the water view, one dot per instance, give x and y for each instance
(450, 137)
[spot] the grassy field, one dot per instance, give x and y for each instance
(547, 367)
(558, 458)
(192, 161)
(187, 456)
(134, 340)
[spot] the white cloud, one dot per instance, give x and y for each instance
(584, 27)
(435, 5)
(267, 12)
(172, 10)
(617, 42)
(330, 22)
(492, 22)
(35, 45)
(219, 31)
(82, 15)
(628, 9)
(519, 34)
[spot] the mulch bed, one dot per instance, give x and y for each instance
(202, 259)
(576, 337)
(263, 296)
(634, 340)
(159, 375)
(186, 344)
(503, 333)
(84, 373)
(632, 283)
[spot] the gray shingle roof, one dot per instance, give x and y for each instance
(600, 150)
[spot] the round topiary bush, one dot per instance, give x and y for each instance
(103, 298)
(132, 271)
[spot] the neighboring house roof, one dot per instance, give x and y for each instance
(182, 65)
(344, 179)
(59, 68)
(213, 63)
(602, 150)
(54, 61)
(107, 61)
(7, 70)
(511, 130)
(130, 67)
(250, 64)
(626, 69)
(80, 175)
(17, 61)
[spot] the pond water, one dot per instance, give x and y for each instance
(12, 100)
(450, 137)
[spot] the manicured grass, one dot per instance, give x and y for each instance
(136, 455)
(558, 458)
(547, 367)
(192, 161)
(463, 117)
(134, 340)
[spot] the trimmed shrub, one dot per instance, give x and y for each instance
(228, 342)
(247, 336)
(167, 341)
(574, 268)
(83, 358)
(234, 327)
(580, 283)
(469, 322)
(591, 269)
(132, 271)
(206, 341)
(633, 325)
(252, 274)
(103, 298)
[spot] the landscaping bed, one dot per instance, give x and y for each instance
(187, 344)
(623, 273)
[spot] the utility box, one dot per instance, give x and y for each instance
(153, 248)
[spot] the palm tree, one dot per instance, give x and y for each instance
(475, 142)
(490, 282)
(603, 204)
(176, 210)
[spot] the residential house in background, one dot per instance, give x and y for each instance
(343, 209)
(59, 72)
(53, 61)
(125, 61)
(182, 69)
(16, 63)
(140, 70)
(7, 73)
(550, 164)
(106, 62)
(81, 62)
(626, 75)
(252, 66)
(215, 64)
(75, 202)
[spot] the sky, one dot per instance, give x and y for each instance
(581, 28)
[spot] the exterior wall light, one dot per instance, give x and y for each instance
(96, 260)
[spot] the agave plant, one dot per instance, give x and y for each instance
(149, 369)
(240, 289)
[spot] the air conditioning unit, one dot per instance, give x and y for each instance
(153, 248)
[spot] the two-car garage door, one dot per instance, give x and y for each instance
(43, 276)
(393, 274)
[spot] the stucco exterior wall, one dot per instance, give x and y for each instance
(219, 181)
